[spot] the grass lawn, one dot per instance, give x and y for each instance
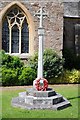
(68, 91)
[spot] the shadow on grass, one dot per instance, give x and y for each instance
(73, 98)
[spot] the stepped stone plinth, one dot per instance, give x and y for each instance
(33, 99)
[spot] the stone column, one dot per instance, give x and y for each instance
(40, 53)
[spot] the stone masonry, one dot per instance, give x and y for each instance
(53, 23)
(63, 16)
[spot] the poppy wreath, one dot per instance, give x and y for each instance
(39, 87)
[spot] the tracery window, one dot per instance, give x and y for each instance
(15, 32)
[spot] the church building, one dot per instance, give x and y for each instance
(19, 26)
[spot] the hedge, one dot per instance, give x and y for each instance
(14, 72)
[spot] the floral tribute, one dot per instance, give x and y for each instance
(41, 84)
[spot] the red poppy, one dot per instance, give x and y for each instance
(41, 87)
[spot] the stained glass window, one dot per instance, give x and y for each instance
(15, 32)
(5, 36)
(25, 38)
(15, 39)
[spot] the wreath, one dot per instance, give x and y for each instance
(41, 87)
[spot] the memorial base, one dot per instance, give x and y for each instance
(33, 99)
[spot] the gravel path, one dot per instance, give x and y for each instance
(24, 87)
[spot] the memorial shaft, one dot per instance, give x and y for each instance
(41, 38)
(40, 58)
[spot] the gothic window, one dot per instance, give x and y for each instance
(15, 39)
(15, 32)
(25, 34)
(5, 36)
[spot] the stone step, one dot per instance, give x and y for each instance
(19, 102)
(35, 93)
(38, 94)
(44, 100)
(57, 98)
(61, 105)
(39, 100)
(22, 94)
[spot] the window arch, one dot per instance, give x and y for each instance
(31, 27)
(15, 32)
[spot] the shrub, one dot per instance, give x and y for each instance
(33, 62)
(6, 59)
(10, 61)
(68, 77)
(27, 76)
(9, 77)
(53, 64)
(73, 76)
(11, 69)
(0, 76)
(16, 63)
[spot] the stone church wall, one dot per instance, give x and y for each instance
(53, 23)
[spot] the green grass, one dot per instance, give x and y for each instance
(68, 91)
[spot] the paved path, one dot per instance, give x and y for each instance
(24, 87)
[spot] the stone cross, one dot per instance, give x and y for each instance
(40, 14)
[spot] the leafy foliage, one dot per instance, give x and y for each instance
(27, 76)
(72, 76)
(11, 68)
(10, 61)
(68, 77)
(9, 77)
(14, 72)
(53, 64)
(0, 76)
